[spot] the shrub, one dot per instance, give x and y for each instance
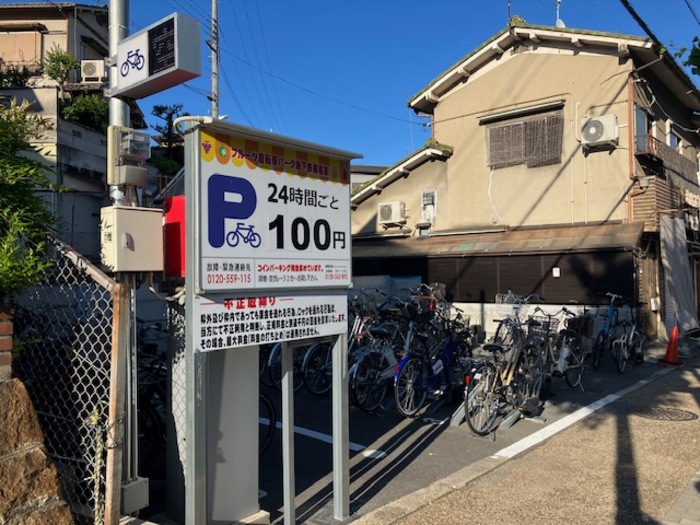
(91, 111)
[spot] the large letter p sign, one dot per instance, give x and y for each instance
(229, 198)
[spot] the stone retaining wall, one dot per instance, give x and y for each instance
(29, 489)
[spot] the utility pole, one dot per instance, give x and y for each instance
(214, 46)
(118, 109)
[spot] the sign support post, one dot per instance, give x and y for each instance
(341, 430)
(288, 485)
(268, 260)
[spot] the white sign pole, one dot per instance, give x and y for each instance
(288, 486)
(269, 224)
(195, 362)
(341, 430)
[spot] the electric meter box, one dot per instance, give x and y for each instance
(132, 239)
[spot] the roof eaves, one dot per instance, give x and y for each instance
(431, 150)
(503, 40)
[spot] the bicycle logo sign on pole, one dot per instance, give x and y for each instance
(133, 59)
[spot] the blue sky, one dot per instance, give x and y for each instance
(340, 72)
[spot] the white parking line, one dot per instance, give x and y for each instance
(321, 437)
(547, 432)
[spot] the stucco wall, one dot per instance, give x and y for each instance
(583, 188)
(409, 190)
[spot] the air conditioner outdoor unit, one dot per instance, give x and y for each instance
(599, 131)
(393, 212)
(92, 70)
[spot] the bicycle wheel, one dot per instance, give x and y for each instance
(622, 356)
(265, 351)
(317, 369)
(598, 349)
(275, 364)
(267, 422)
(574, 365)
(367, 386)
(482, 401)
(533, 368)
(636, 344)
(409, 387)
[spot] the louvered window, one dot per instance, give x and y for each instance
(533, 142)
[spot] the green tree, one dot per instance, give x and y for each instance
(89, 110)
(693, 60)
(167, 114)
(57, 65)
(24, 219)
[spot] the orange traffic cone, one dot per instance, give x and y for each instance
(671, 357)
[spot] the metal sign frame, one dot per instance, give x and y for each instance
(156, 58)
(199, 144)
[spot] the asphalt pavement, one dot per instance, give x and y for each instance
(630, 458)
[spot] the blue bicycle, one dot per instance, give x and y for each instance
(603, 340)
(434, 366)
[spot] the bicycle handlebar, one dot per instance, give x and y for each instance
(563, 310)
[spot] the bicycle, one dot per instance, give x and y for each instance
(274, 364)
(437, 359)
(376, 360)
(267, 422)
(264, 363)
(604, 338)
(317, 365)
(564, 350)
(628, 346)
(513, 377)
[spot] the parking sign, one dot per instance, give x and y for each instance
(274, 212)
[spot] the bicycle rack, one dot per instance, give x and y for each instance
(508, 421)
(458, 416)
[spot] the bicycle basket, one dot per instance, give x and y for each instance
(547, 325)
(509, 303)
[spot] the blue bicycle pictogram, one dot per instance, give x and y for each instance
(133, 59)
(243, 232)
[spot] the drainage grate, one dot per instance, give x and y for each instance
(659, 413)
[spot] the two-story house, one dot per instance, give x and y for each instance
(556, 158)
(75, 153)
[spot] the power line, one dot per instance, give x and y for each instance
(235, 99)
(316, 93)
(256, 53)
(257, 87)
(695, 15)
(267, 58)
(627, 5)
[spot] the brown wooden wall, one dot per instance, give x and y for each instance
(583, 277)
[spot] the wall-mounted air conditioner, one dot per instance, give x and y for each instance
(391, 213)
(92, 71)
(599, 131)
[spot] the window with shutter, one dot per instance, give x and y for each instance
(533, 142)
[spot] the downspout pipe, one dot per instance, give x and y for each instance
(631, 149)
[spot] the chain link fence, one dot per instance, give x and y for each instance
(63, 334)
